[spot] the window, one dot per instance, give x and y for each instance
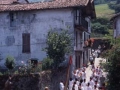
(78, 59)
(77, 16)
(76, 39)
(13, 19)
(26, 43)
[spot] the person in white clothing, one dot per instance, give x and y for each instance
(83, 75)
(70, 84)
(89, 87)
(80, 87)
(95, 87)
(97, 84)
(91, 83)
(61, 85)
(77, 82)
(74, 74)
(83, 84)
(75, 86)
(84, 67)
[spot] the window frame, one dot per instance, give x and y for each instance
(26, 43)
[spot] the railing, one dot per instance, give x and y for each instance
(82, 22)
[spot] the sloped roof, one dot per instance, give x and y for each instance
(7, 1)
(43, 5)
(115, 16)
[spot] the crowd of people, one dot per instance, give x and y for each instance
(78, 82)
(95, 54)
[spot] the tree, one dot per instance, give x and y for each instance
(118, 2)
(98, 28)
(112, 67)
(58, 44)
(115, 6)
(99, 1)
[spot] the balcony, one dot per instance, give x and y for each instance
(79, 46)
(81, 23)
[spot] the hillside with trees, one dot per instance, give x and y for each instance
(101, 26)
(102, 23)
(115, 5)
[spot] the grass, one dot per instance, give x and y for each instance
(102, 10)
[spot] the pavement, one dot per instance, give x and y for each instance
(88, 69)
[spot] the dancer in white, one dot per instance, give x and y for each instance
(91, 83)
(61, 85)
(89, 87)
(70, 84)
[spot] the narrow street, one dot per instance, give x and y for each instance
(93, 78)
(89, 72)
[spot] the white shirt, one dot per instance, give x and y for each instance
(83, 84)
(91, 58)
(76, 87)
(82, 88)
(70, 85)
(92, 83)
(61, 86)
(77, 82)
(83, 75)
(89, 88)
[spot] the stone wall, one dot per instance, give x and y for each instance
(35, 81)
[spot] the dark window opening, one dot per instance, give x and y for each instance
(76, 39)
(13, 18)
(78, 17)
(26, 43)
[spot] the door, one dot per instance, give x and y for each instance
(78, 55)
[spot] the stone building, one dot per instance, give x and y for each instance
(24, 27)
(116, 25)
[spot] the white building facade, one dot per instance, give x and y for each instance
(116, 25)
(23, 31)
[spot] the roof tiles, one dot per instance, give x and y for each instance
(7, 1)
(42, 5)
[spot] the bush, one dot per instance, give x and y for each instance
(47, 63)
(112, 67)
(10, 62)
(98, 28)
(58, 44)
(99, 2)
(112, 5)
(115, 6)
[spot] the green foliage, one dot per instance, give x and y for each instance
(101, 26)
(103, 10)
(99, 1)
(29, 68)
(113, 67)
(115, 6)
(10, 62)
(1, 74)
(118, 1)
(102, 1)
(101, 20)
(58, 44)
(98, 28)
(47, 63)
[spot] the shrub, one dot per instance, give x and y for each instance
(1, 74)
(10, 62)
(98, 28)
(47, 63)
(58, 44)
(115, 6)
